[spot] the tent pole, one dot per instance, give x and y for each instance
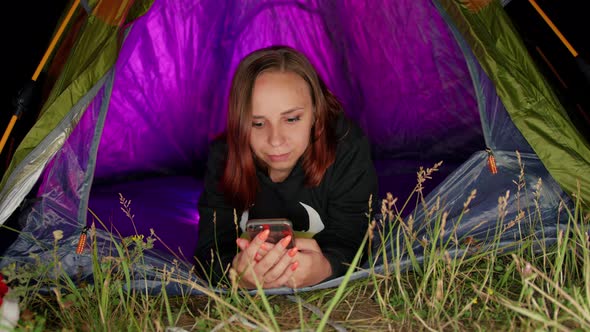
(554, 28)
(582, 64)
(7, 132)
(26, 94)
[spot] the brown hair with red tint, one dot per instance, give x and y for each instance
(239, 183)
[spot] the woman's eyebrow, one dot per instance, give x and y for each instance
(289, 111)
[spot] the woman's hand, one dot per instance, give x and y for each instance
(273, 269)
(313, 265)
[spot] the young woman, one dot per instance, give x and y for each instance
(288, 152)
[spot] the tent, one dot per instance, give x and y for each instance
(138, 90)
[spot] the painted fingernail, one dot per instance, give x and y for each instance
(264, 234)
(292, 252)
(294, 266)
(257, 258)
(285, 241)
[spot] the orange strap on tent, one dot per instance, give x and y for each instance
(82, 241)
(492, 162)
(48, 52)
(554, 28)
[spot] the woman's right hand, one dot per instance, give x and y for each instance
(272, 270)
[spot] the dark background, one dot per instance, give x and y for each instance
(28, 26)
(553, 58)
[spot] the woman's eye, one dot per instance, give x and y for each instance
(257, 124)
(294, 119)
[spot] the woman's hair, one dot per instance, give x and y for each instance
(239, 182)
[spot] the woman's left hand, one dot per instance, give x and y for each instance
(313, 266)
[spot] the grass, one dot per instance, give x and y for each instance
(477, 288)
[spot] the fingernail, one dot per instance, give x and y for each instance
(264, 234)
(293, 251)
(294, 266)
(263, 246)
(285, 241)
(258, 258)
(240, 243)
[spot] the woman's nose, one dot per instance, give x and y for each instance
(276, 137)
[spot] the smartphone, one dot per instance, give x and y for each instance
(279, 228)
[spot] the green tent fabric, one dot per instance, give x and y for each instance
(532, 105)
(93, 53)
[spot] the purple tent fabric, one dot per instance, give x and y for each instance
(166, 205)
(395, 66)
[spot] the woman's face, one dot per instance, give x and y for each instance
(282, 118)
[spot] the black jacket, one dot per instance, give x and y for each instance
(336, 210)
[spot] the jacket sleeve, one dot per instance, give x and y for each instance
(218, 232)
(351, 185)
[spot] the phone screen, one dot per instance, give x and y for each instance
(279, 228)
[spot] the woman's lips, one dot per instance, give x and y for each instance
(278, 157)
